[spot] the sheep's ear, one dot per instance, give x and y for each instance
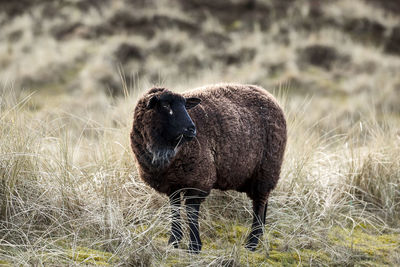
(192, 102)
(152, 102)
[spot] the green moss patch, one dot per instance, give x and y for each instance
(229, 232)
(224, 241)
(91, 256)
(302, 257)
(4, 263)
(368, 246)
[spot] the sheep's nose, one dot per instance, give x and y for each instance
(190, 131)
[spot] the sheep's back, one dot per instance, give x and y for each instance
(238, 126)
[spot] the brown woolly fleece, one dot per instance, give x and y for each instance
(240, 143)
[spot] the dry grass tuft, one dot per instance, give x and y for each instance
(71, 195)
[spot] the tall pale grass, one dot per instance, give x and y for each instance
(68, 181)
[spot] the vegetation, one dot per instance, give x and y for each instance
(70, 194)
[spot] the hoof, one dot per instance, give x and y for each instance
(195, 248)
(252, 243)
(251, 247)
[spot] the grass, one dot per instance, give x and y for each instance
(71, 195)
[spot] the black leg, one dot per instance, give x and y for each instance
(192, 208)
(176, 228)
(265, 212)
(259, 210)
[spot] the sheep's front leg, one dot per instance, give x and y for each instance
(176, 229)
(192, 209)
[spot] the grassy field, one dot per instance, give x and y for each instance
(71, 72)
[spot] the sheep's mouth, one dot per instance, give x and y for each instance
(184, 137)
(190, 134)
(188, 138)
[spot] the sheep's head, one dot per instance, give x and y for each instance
(166, 124)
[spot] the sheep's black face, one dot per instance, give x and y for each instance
(177, 126)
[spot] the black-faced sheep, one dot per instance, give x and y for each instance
(241, 138)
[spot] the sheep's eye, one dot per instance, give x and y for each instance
(168, 108)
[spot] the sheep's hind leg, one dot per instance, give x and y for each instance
(176, 228)
(259, 211)
(192, 208)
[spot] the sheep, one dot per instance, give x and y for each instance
(224, 136)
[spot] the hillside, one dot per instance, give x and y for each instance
(338, 50)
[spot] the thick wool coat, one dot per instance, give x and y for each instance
(240, 143)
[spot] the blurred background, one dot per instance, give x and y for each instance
(343, 56)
